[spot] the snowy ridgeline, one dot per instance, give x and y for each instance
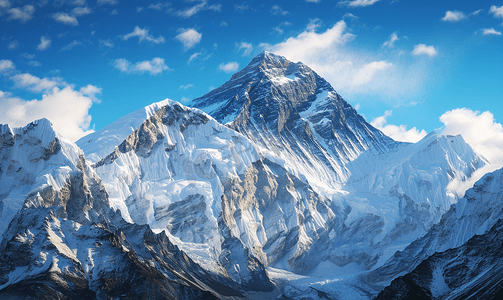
(296, 188)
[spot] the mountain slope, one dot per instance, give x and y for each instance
(63, 240)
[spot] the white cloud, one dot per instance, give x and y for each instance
(422, 49)
(6, 65)
(490, 31)
(109, 2)
(184, 87)
(159, 6)
(247, 48)
(367, 73)
(497, 11)
(185, 100)
(67, 109)
(482, 133)
(223, 24)
(194, 56)
(91, 91)
(114, 12)
(13, 45)
(229, 67)
(45, 43)
(22, 15)
(36, 84)
(477, 12)
(398, 133)
(329, 54)
(28, 56)
(34, 63)
(454, 16)
(188, 37)
(203, 5)
(143, 35)
(62, 17)
(358, 3)
(277, 10)
(71, 45)
(81, 11)
(108, 43)
(154, 67)
(392, 39)
(241, 8)
(313, 1)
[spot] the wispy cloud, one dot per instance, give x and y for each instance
(154, 66)
(109, 2)
(247, 48)
(81, 11)
(203, 5)
(13, 45)
(490, 31)
(400, 132)
(143, 35)
(71, 45)
(454, 16)
(22, 15)
(64, 18)
(106, 43)
(277, 10)
(184, 87)
(45, 43)
(188, 37)
(358, 3)
(241, 8)
(422, 49)
(390, 42)
(194, 56)
(229, 67)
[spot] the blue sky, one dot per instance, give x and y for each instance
(409, 67)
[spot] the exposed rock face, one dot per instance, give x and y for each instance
(64, 241)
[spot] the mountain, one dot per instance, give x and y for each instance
(269, 186)
(468, 234)
(61, 239)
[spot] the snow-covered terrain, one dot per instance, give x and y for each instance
(270, 186)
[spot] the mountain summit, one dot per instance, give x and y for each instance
(288, 109)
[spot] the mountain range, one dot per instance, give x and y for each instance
(271, 186)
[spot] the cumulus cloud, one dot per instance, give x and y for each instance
(398, 133)
(62, 17)
(482, 133)
(6, 65)
(358, 3)
(143, 35)
(67, 109)
(229, 67)
(36, 84)
(422, 49)
(22, 15)
(490, 31)
(203, 5)
(154, 66)
(367, 73)
(329, 53)
(45, 43)
(390, 42)
(188, 37)
(496, 11)
(454, 16)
